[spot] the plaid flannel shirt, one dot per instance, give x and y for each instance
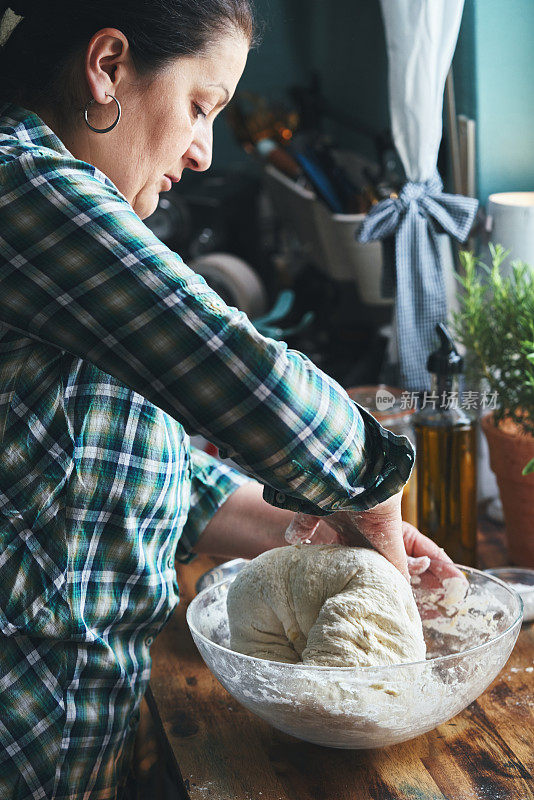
(110, 350)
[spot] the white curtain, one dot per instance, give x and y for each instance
(421, 36)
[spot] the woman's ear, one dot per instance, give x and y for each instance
(107, 62)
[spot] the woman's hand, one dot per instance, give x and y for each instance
(383, 529)
(424, 555)
(431, 571)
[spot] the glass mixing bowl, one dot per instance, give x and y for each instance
(522, 580)
(362, 707)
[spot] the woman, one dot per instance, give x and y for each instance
(110, 350)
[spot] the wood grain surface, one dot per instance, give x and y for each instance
(227, 753)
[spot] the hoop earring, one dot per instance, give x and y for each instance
(113, 124)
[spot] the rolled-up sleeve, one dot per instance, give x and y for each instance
(212, 483)
(384, 466)
(79, 270)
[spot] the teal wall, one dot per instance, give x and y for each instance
(494, 77)
(504, 54)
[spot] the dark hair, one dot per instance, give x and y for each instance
(158, 31)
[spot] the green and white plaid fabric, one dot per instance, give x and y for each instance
(110, 350)
(95, 488)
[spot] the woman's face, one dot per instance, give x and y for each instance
(166, 122)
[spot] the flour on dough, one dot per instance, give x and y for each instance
(327, 605)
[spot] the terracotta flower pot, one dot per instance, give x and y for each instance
(510, 451)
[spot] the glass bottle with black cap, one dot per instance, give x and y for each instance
(446, 458)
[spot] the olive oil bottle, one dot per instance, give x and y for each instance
(446, 458)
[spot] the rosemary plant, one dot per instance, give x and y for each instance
(496, 325)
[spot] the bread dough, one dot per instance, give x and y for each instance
(327, 605)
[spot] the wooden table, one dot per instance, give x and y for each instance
(226, 753)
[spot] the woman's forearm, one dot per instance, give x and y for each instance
(244, 526)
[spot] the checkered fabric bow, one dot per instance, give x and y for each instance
(412, 261)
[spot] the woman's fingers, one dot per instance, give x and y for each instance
(417, 545)
(439, 588)
(416, 566)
